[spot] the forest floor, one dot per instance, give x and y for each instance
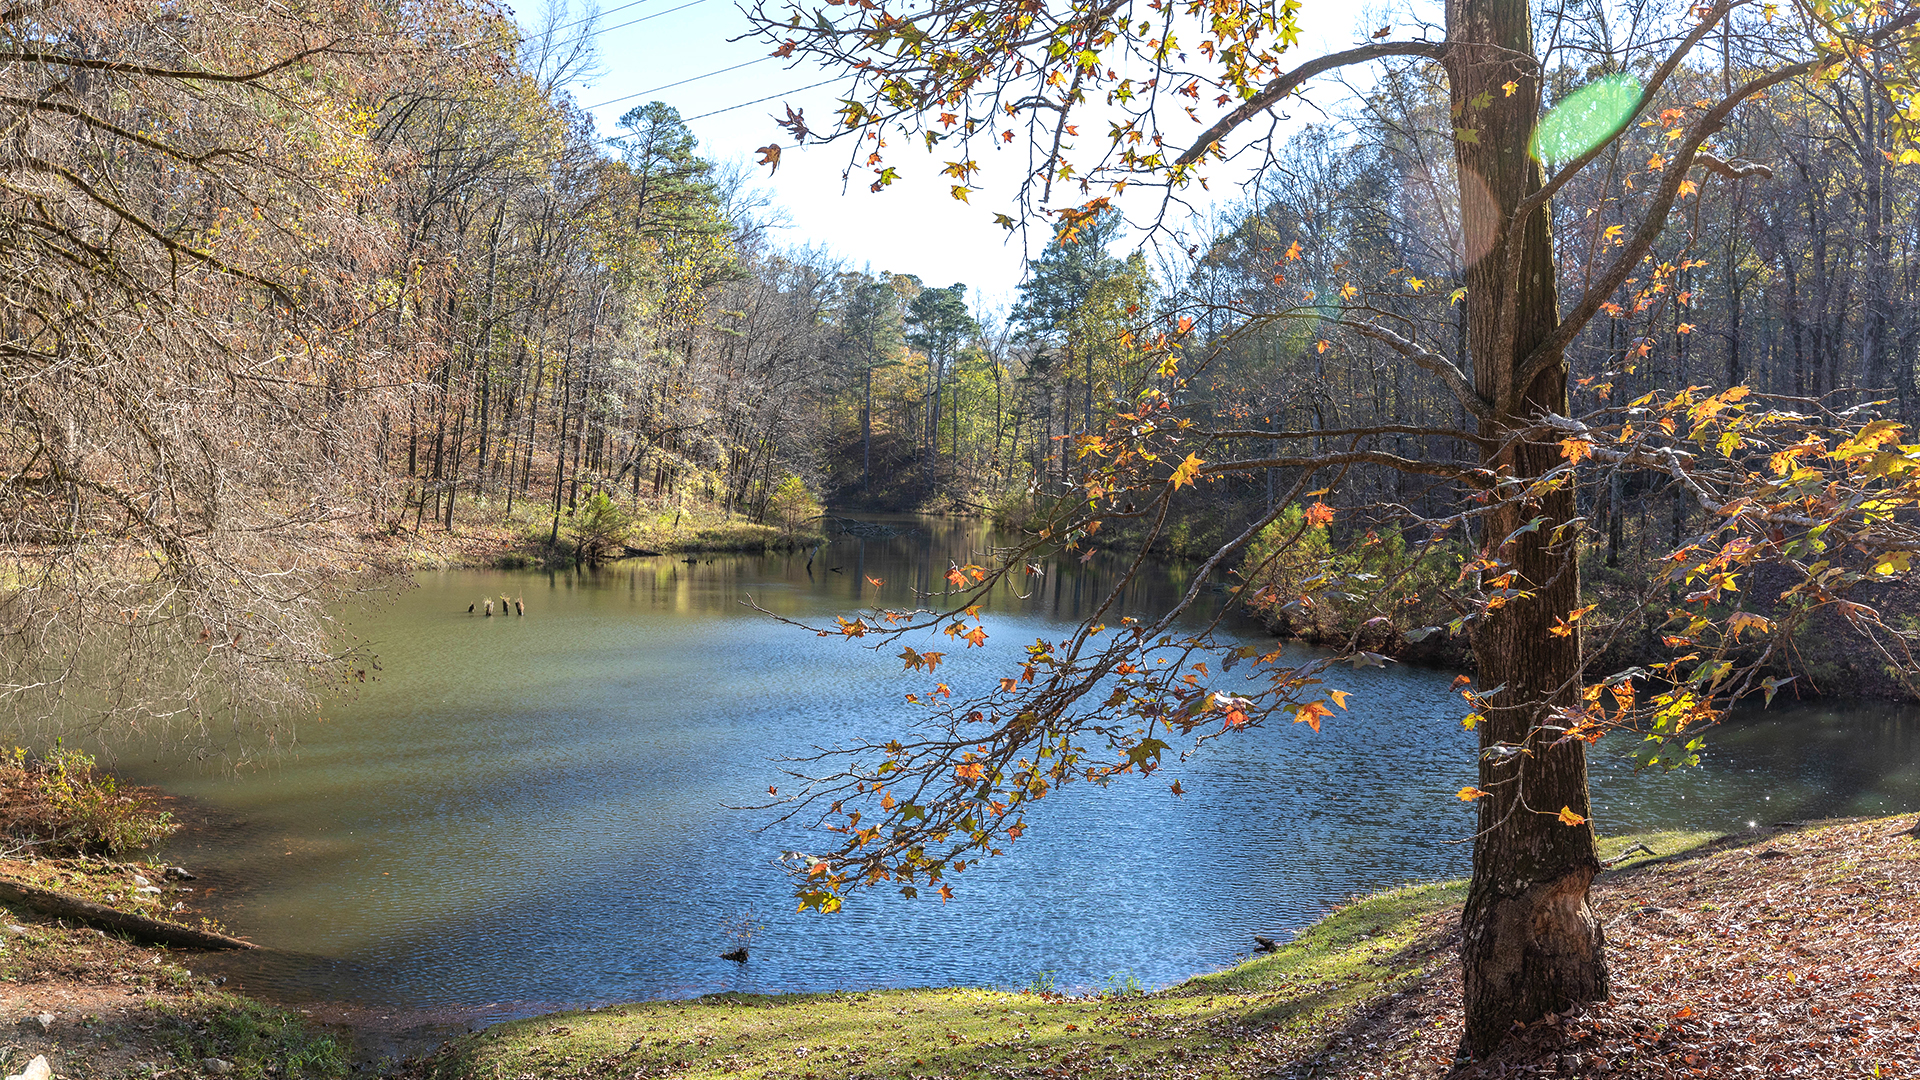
(1786, 951)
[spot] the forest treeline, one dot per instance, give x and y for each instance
(282, 283)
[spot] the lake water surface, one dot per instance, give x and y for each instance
(525, 814)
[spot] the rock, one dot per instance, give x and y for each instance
(148, 890)
(218, 1066)
(1265, 944)
(177, 873)
(37, 1069)
(138, 880)
(16, 930)
(738, 956)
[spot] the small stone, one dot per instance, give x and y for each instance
(218, 1066)
(179, 873)
(138, 880)
(37, 1069)
(148, 890)
(16, 930)
(45, 1020)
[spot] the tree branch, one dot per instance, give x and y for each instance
(1292, 80)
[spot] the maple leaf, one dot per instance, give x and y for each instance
(1568, 817)
(874, 581)
(770, 156)
(1509, 87)
(1293, 252)
(972, 771)
(1319, 515)
(796, 121)
(946, 893)
(957, 579)
(1339, 697)
(1176, 788)
(1188, 469)
(1310, 714)
(1470, 793)
(1323, 345)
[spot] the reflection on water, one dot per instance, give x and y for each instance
(530, 813)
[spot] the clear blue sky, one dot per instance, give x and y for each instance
(913, 227)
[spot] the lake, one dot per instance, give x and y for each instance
(529, 813)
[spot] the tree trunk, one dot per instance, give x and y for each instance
(1531, 944)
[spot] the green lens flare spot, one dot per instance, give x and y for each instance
(1586, 118)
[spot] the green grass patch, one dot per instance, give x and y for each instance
(257, 1040)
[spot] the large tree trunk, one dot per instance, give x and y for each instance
(1531, 944)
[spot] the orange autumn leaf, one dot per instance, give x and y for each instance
(1470, 793)
(1310, 714)
(1568, 817)
(957, 579)
(1319, 514)
(1176, 788)
(1575, 449)
(971, 771)
(1339, 697)
(874, 581)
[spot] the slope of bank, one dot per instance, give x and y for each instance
(1777, 951)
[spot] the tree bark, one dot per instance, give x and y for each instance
(60, 905)
(1531, 944)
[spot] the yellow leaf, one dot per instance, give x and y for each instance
(1339, 697)
(1188, 469)
(1509, 86)
(1470, 793)
(1568, 817)
(1575, 449)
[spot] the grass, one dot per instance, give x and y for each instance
(1229, 1023)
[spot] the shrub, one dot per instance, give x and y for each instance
(60, 804)
(599, 524)
(791, 505)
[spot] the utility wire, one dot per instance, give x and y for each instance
(595, 15)
(630, 22)
(759, 101)
(682, 82)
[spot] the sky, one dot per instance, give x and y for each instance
(679, 52)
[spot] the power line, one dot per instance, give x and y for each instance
(682, 82)
(759, 101)
(624, 25)
(595, 15)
